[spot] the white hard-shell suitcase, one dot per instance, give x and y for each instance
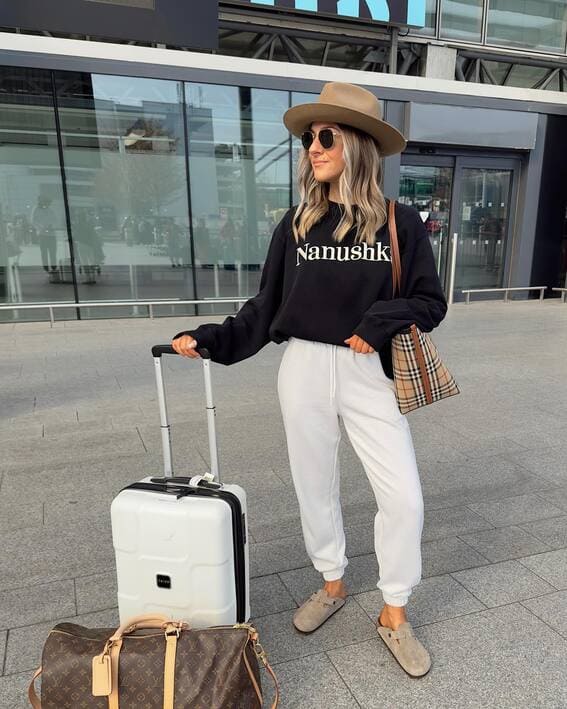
(181, 542)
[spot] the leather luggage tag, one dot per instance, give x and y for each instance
(102, 676)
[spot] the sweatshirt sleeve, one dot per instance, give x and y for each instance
(244, 334)
(424, 303)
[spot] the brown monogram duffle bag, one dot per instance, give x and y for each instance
(151, 662)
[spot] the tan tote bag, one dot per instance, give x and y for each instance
(420, 376)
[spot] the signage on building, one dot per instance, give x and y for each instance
(396, 12)
(187, 23)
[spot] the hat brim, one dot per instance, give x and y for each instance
(298, 119)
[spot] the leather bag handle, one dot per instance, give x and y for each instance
(32, 695)
(261, 655)
(159, 621)
(276, 701)
(394, 248)
(147, 620)
(108, 686)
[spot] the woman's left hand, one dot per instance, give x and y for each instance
(359, 345)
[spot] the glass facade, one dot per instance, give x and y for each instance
(428, 28)
(239, 149)
(537, 24)
(33, 233)
(124, 156)
(150, 190)
(461, 19)
(297, 97)
(125, 189)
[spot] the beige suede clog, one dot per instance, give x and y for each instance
(406, 648)
(318, 608)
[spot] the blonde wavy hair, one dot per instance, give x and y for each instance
(363, 202)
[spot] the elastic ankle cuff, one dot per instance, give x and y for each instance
(333, 575)
(395, 600)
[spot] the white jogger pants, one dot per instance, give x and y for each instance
(317, 383)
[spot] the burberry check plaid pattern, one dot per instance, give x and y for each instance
(420, 376)
(414, 375)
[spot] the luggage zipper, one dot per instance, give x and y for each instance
(251, 630)
(84, 637)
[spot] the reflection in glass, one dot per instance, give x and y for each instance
(482, 227)
(239, 170)
(124, 152)
(428, 189)
(298, 97)
(461, 19)
(539, 24)
(430, 18)
(34, 247)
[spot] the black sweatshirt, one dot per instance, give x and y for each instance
(324, 291)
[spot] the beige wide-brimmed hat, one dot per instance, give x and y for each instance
(349, 104)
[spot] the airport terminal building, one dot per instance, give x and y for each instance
(152, 164)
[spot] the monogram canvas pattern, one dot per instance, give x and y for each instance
(210, 669)
(66, 660)
(221, 679)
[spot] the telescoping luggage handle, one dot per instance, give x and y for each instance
(157, 352)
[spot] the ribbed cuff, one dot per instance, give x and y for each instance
(184, 332)
(369, 335)
(397, 601)
(333, 575)
(203, 336)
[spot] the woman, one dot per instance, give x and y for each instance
(326, 287)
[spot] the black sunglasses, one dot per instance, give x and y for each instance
(326, 138)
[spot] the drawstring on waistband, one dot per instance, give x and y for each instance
(333, 374)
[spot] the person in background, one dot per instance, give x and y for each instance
(43, 220)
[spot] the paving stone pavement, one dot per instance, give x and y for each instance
(79, 420)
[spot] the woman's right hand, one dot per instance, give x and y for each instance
(186, 346)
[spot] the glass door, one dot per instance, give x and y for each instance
(481, 219)
(469, 197)
(429, 188)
